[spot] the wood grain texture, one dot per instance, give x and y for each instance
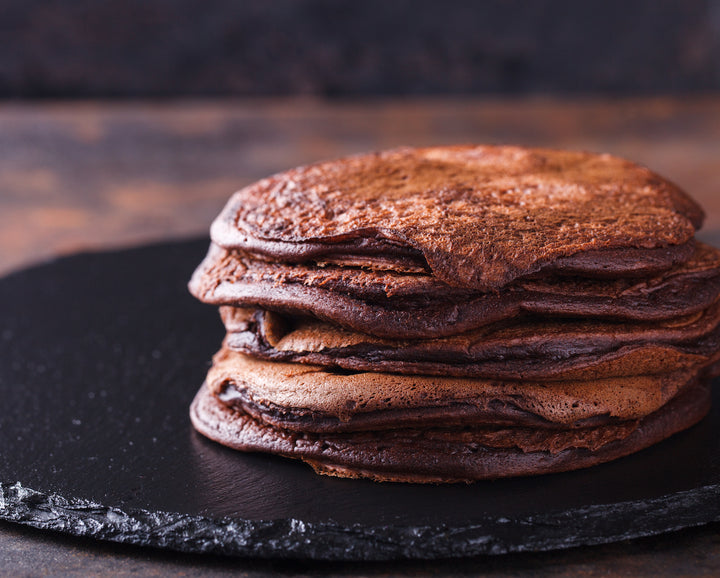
(87, 175)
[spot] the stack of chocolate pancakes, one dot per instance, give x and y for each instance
(459, 313)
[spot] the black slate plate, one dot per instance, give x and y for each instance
(100, 356)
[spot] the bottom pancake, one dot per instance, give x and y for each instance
(459, 454)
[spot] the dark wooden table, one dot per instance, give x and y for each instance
(77, 176)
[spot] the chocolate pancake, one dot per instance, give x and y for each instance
(534, 348)
(311, 398)
(458, 313)
(446, 454)
(401, 305)
(477, 217)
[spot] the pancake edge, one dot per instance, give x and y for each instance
(238, 431)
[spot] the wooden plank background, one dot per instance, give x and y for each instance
(88, 175)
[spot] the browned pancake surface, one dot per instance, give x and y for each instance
(478, 216)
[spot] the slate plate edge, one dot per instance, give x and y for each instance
(296, 539)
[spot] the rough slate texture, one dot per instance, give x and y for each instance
(329, 541)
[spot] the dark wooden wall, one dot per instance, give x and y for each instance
(136, 48)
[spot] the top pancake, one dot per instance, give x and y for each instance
(478, 217)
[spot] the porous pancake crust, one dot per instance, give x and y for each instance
(535, 206)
